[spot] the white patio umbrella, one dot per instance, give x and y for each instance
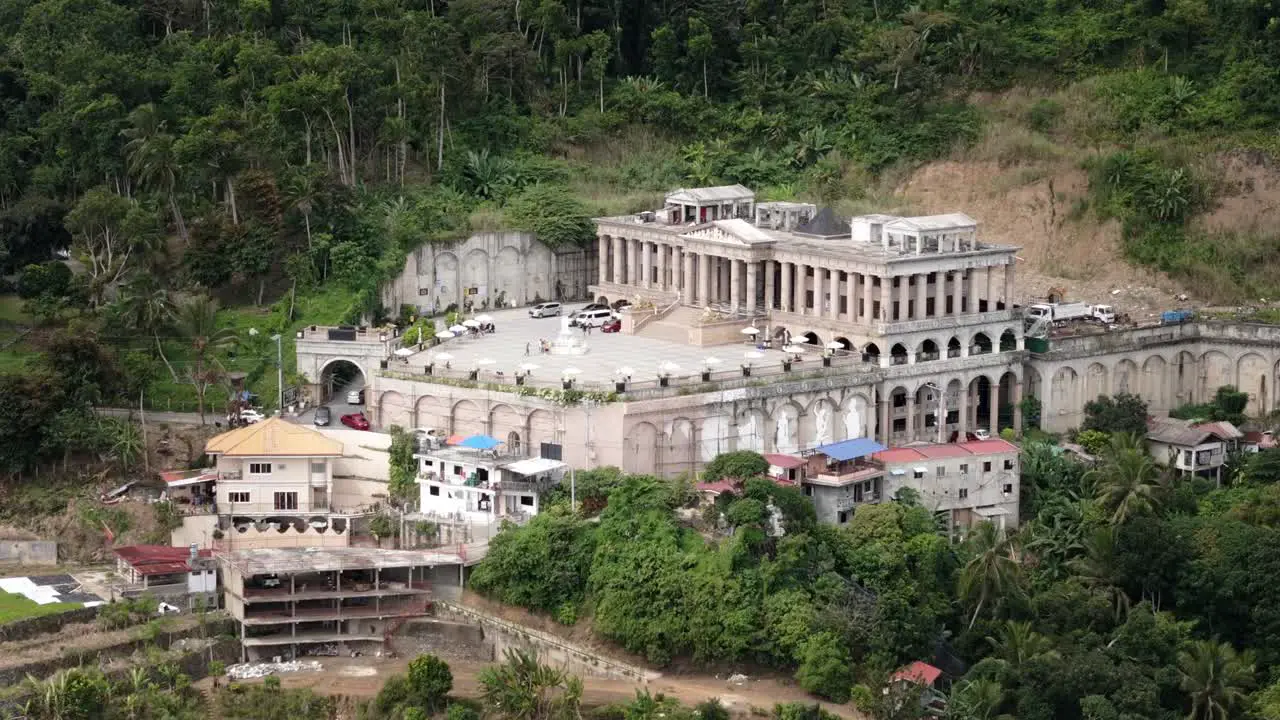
(443, 357)
(472, 323)
(458, 329)
(405, 352)
(444, 335)
(528, 367)
(833, 345)
(570, 372)
(753, 355)
(669, 367)
(625, 371)
(710, 361)
(484, 318)
(485, 361)
(808, 341)
(750, 331)
(793, 349)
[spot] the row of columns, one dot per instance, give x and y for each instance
(705, 279)
(967, 416)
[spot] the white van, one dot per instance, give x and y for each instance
(592, 318)
(545, 310)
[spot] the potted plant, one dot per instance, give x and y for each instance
(664, 380)
(706, 374)
(474, 374)
(826, 361)
(519, 379)
(620, 386)
(786, 365)
(746, 371)
(567, 383)
(429, 368)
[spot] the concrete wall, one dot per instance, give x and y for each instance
(985, 488)
(29, 552)
(509, 267)
(364, 454)
(288, 475)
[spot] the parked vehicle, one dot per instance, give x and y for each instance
(547, 309)
(356, 421)
(982, 434)
(613, 326)
(619, 304)
(355, 397)
(245, 417)
(428, 439)
(1176, 317)
(1061, 313)
(593, 318)
(593, 306)
(323, 416)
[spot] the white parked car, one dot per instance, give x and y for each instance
(982, 434)
(355, 397)
(248, 416)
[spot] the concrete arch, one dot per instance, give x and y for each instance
(1216, 370)
(1005, 403)
(927, 350)
(1096, 383)
(680, 445)
(855, 417)
(511, 271)
(1252, 377)
(1124, 377)
(541, 428)
(848, 345)
(432, 412)
(468, 419)
(1154, 383)
(871, 352)
(1008, 340)
(505, 420)
(337, 373)
(475, 273)
(786, 428)
(393, 409)
(811, 337)
(954, 347)
(537, 273)
(642, 449)
(980, 344)
(898, 354)
(1065, 390)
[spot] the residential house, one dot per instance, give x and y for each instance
(187, 575)
(1192, 448)
(273, 467)
(968, 481)
(840, 476)
(460, 486)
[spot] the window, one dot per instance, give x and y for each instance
(259, 468)
(433, 491)
(238, 497)
(986, 466)
(964, 493)
(843, 517)
(286, 501)
(526, 500)
(918, 474)
(942, 471)
(964, 468)
(1008, 488)
(1008, 464)
(317, 468)
(808, 490)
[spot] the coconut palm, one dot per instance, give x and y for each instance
(1127, 483)
(978, 699)
(1016, 644)
(147, 309)
(196, 320)
(1099, 569)
(993, 573)
(1216, 679)
(524, 689)
(152, 159)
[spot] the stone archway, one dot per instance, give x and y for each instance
(1251, 377)
(337, 375)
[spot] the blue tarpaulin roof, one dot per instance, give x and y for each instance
(481, 442)
(850, 449)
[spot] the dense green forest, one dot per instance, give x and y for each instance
(1127, 593)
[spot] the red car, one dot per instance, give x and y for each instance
(613, 326)
(356, 421)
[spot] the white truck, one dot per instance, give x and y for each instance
(1062, 313)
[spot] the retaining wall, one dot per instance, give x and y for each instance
(28, 552)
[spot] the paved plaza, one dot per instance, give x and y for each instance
(606, 353)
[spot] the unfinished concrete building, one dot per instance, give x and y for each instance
(298, 601)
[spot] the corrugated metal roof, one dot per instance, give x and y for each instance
(850, 449)
(273, 437)
(1185, 433)
(786, 462)
(933, 223)
(150, 560)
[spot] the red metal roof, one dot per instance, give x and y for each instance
(988, 447)
(718, 487)
(157, 559)
(897, 455)
(938, 452)
(919, 672)
(189, 477)
(787, 462)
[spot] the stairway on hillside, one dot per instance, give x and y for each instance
(674, 327)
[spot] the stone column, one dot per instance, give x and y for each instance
(617, 260)
(851, 296)
(904, 298)
(834, 311)
(633, 266)
(686, 278)
(991, 288)
(911, 417)
(818, 293)
(868, 299)
(886, 304)
(753, 269)
(885, 429)
(922, 297)
(646, 265)
(704, 279)
(942, 412)
(1008, 284)
(769, 304)
(786, 295)
(735, 282)
(962, 421)
(957, 287)
(993, 403)
(1017, 406)
(971, 289)
(800, 285)
(603, 246)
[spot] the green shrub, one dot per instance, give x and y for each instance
(737, 465)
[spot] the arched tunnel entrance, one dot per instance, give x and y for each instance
(338, 378)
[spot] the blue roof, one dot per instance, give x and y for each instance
(481, 442)
(850, 449)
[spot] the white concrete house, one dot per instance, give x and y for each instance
(274, 467)
(473, 486)
(971, 482)
(1191, 448)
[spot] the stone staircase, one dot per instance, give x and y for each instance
(673, 327)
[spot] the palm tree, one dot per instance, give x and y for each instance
(1099, 568)
(148, 309)
(1216, 678)
(1018, 643)
(197, 322)
(993, 573)
(524, 689)
(1127, 483)
(978, 699)
(152, 158)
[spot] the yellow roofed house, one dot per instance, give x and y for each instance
(274, 467)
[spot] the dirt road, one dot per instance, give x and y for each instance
(362, 678)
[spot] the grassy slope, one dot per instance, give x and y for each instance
(18, 607)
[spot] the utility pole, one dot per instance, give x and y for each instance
(279, 374)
